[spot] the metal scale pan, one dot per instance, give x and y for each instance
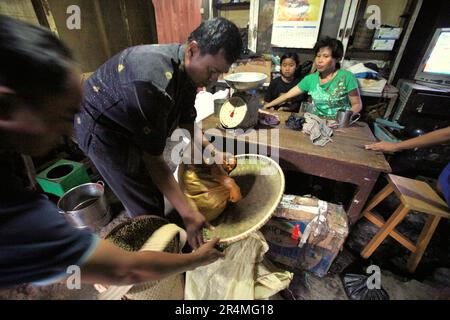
(241, 110)
(243, 81)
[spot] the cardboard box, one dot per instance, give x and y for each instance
(383, 44)
(388, 33)
(319, 252)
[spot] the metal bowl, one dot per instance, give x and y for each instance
(245, 80)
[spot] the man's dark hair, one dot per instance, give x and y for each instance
(336, 47)
(33, 62)
(219, 33)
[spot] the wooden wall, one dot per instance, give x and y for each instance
(19, 9)
(107, 26)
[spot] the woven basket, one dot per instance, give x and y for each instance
(262, 183)
(148, 233)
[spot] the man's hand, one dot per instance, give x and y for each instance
(207, 254)
(226, 159)
(383, 146)
(233, 188)
(194, 222)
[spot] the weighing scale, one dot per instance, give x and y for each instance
(241, 110)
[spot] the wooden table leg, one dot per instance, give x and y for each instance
(359, 199)
(363, 178)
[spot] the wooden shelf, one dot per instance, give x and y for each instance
(370, 50)
(233, 6)
(369, 54)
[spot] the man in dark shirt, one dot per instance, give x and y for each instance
(39, 94)
(134, 102)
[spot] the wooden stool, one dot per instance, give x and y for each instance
(414, 195)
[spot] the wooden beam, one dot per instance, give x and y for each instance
(102, 29)
(31, 171)
(124, 15)
(44, 15)
(405, 38)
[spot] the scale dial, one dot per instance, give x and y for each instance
(233, 113)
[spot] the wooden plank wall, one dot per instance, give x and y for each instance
(19, 9)
(107, 27)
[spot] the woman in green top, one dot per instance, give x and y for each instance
(331, 88)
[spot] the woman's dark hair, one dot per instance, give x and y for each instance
(33, 62)
(219, 33)
(336, 47)
(290, 55)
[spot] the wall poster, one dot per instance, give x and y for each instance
(296, 23)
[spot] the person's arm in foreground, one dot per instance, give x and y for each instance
(110, 264)
(429, 139)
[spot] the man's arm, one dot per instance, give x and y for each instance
(110, 264)
(162, 177)
(428, 139)
(202, 144)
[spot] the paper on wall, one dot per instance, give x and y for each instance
(296, 23)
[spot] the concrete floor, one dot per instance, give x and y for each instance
(305, 285)
(431, 280)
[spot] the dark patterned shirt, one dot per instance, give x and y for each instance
(145, 92)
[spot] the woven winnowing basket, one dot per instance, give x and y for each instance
(262, 183)
(148, 233)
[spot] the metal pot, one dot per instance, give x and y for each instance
(85, 206)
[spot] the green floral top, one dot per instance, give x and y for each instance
(329, 97)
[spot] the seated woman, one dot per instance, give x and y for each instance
(330, 88)
(282, 84)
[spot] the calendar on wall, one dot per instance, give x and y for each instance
(296, 23)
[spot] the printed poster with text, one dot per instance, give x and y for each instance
(296, 23)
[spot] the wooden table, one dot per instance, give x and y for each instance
(344, 159)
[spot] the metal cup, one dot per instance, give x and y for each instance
(345, 118)
(307, 107)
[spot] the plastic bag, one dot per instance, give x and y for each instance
(209, 186)
(241, 275)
